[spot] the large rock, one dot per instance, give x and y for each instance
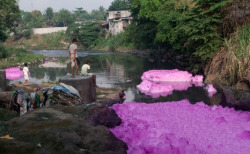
(97, 114)
(238, 99)
(2, 80)
(58, 129)
(84, 84)
(110, 96)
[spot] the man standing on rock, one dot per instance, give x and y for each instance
(73, 57)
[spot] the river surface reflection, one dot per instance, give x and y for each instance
(116, 69)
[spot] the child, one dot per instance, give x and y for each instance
(86, 71)
(26, 73)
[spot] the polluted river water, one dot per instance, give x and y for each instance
(185, 120)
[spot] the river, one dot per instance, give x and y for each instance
(116, 69)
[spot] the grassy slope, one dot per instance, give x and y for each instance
(40, 42)
(232, 62)
(17, 57)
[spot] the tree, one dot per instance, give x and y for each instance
(186, 26)
(89, 33)
(37, 20)
(49, 16)
(99, 14)
(119, 5)
(80, 14)
(64, 18)
(9, 17)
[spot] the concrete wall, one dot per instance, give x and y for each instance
(48, 30)
(118, 21)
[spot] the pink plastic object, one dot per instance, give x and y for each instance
(54, 58)
(180, 127)
(13, 73)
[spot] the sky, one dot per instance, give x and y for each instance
(89, 5)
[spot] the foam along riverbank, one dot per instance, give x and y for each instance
(158, 83)
(180, 127)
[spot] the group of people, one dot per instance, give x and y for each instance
(73, 57)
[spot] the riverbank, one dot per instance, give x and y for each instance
(11, 56)
(230, 66)
(40, 42)
(63, 128)
(235, 51)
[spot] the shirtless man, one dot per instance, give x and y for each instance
(73, 57)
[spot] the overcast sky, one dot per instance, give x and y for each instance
(89, 5)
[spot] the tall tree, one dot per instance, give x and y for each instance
(64, 18)
(119, 5)
(99, 14)
(80, 14)
(9, 17)
(37, 20)
(49, 16)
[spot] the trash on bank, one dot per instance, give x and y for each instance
(7, 137)
(23, 102)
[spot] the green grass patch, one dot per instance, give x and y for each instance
(114, 43)
(10, 56)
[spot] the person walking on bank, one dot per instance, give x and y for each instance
(73, 57)
(26, 73)
(86, 71)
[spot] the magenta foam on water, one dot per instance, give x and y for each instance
(158, 83)
(13, 73)
(180, 127)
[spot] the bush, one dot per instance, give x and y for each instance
(3, 52)
(23, 34)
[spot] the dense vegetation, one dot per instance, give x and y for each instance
(9, 19)
(192, 27)
(62, 18)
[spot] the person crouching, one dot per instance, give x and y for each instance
(86, 71)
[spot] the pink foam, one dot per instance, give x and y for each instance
(158, 83)
(12, 69)
(211, 90)
(180, 127)
(162, 89)
(13, 73)
(197, 80)
(167, 76)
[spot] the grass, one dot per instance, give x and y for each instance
(10, 56)
(45, 41)
(114, 43)
(238, 53)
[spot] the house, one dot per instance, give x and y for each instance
(118, 21)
